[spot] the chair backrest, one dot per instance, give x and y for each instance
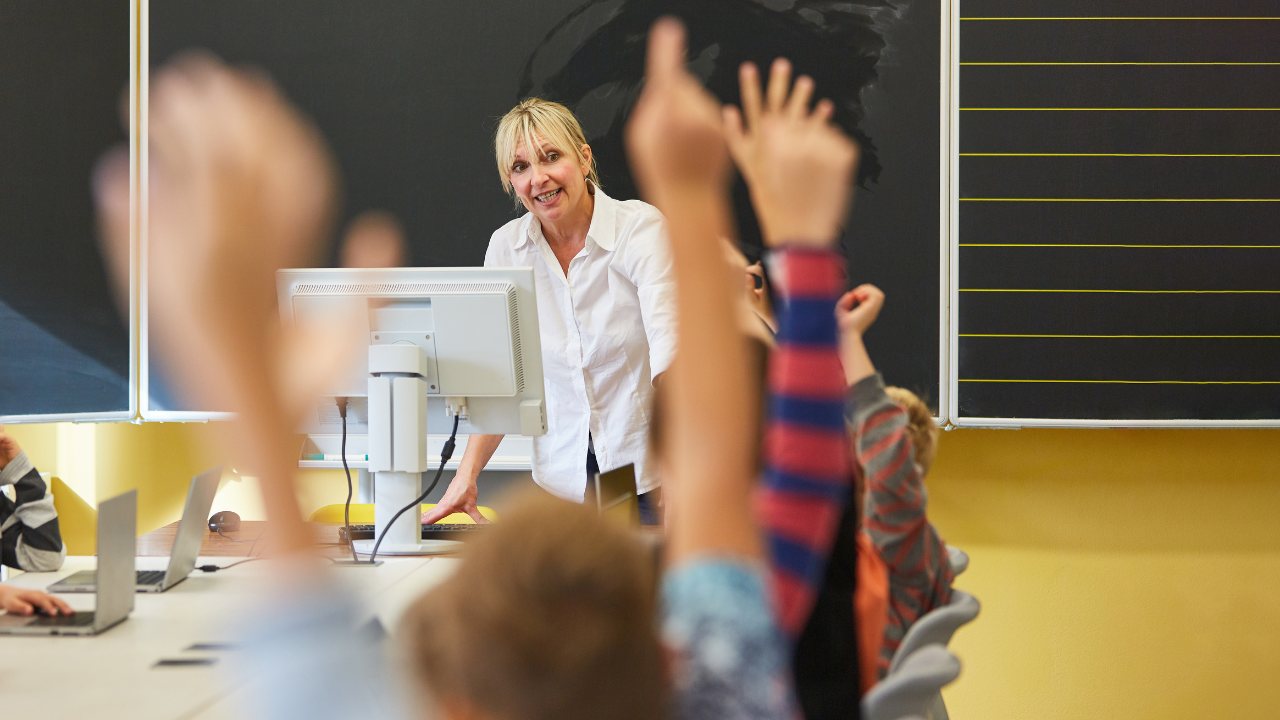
(913, 690)
(937, 626)
(958, 559)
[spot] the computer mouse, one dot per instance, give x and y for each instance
(224, 521)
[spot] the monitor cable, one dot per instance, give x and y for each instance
(346, 509)
(445, 454)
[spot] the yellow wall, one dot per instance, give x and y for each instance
(1123, 573)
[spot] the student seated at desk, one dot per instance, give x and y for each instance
(29, 535)
(895, 440)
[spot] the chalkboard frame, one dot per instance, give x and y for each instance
(142, 323)
(946, 60)
(947, 168)
(952, 295)
(129, 414)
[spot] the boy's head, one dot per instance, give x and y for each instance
(923, 430)
(551, 616)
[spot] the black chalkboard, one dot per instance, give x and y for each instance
(408, 94)
(1119, 211)
(64, 352)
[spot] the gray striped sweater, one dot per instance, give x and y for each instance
(29, 535)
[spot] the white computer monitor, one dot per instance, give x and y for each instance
(438, 339)
(477, 326)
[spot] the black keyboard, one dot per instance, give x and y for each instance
(438, 531)
(150, 577)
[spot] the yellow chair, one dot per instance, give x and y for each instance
(77, 519)
(362, 514)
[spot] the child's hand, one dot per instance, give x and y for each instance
(798, 166)
(20, 601)
(9, 449)
(857, 309)
(674, 138)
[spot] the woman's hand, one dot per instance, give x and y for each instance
(674, 136)
(798, 166)
(20, 601)
(462, 496)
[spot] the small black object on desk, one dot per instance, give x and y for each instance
(224, 521)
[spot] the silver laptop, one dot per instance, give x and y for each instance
(117, 527)
(186, 545)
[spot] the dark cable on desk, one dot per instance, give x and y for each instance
(445, 454)
(228, 537)
(216, 568)
(346, 509)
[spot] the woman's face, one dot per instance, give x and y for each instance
(550, 183)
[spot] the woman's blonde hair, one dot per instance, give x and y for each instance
(531, 123)
(920, 425)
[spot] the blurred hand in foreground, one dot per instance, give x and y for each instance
(674, 138)
(241, 185)
(798, 166)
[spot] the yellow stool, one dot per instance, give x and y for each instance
(362, 514)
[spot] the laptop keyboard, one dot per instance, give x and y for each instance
(438, 531)
(150, 577)
(79, 619)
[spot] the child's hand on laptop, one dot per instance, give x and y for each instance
(21, 601)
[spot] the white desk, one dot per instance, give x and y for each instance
(112, 675)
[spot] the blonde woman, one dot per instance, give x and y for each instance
(606, 312)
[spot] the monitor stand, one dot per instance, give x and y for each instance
(392, 491)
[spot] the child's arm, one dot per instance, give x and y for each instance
(799, 168)
(678, 152)
(717, 623)
(33, 541)
(894, 513)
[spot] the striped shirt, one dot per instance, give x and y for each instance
(29, 535)
(808, 471)
(894, 515)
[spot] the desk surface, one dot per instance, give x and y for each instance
(113, 675)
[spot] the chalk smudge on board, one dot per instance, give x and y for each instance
(593, 62)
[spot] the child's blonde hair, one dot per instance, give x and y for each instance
(923, 430)
(550, 617)
(531, 123)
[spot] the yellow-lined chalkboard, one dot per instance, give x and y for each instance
(1117, 212)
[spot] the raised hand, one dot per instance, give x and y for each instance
(241, 185)
(797, 165)
(674, 138)
(856, 310)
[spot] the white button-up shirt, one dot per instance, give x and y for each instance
(606, 330)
